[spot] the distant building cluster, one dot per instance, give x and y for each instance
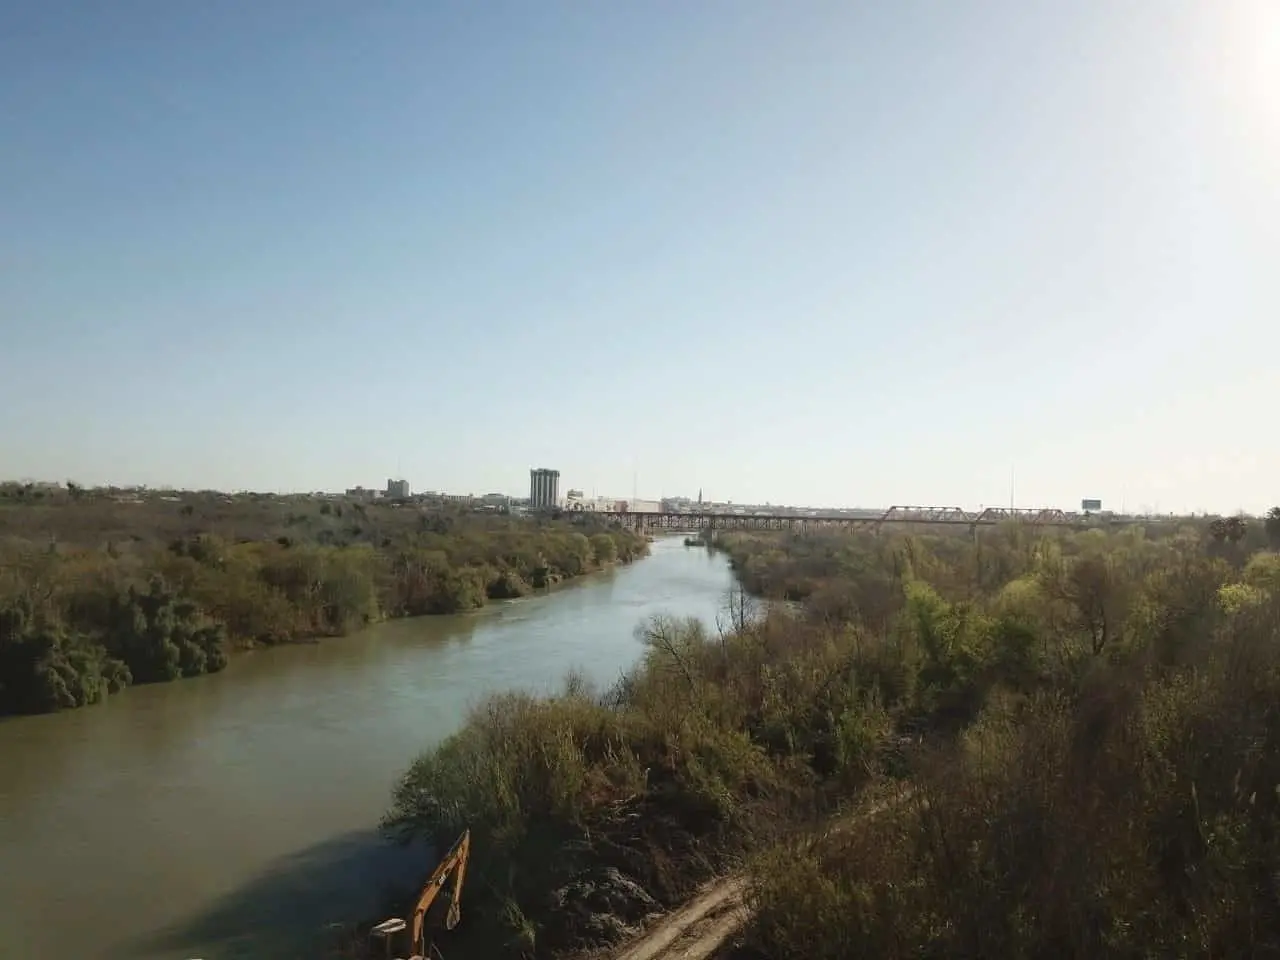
(395, 490)
(578, 503)
(544, 496)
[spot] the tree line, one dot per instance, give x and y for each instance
(157, 591)
(1080, 731)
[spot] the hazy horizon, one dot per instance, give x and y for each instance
(817, 254)
(1118, 507)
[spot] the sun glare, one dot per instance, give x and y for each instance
(1252, 67)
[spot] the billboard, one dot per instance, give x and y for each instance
(1090, 506)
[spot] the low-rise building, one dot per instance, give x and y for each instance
(641, 506)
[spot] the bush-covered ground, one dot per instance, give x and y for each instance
(1090, 720)
(96, 593)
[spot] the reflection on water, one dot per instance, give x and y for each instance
(215, 816)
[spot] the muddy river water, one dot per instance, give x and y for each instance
(227, 816)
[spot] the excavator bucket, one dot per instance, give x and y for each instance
(384, 936)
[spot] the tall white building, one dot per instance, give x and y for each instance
(398, 489)
(544, 488)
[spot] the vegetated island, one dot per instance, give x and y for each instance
(1086, 725)
(103, 588)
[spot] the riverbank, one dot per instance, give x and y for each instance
(109, 603)
(992, 675)
(594, 809)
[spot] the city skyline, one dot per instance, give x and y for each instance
(816, 253)
(393, 490)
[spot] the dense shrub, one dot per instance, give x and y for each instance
(1084, 723)
(1136, 815)
(1110, 789)
(44, 668)
(658, 783)
(159, 636)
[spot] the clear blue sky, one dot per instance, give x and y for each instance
(825, 253)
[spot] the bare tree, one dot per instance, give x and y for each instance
(738, 611)
(665, 636)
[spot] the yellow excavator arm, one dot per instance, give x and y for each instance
(452, 865)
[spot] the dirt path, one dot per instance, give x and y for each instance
(703, 925)
(696, 930)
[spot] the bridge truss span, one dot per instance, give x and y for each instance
(926, 515)
(693, 521)
(1026, 515)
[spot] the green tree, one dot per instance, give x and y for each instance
(44, 668)
(1263, 571)
(1096, 591)
(604, 548)
(161, 637)
(1272, 526)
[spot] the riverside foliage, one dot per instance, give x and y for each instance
(1089, 721)
(96, 593)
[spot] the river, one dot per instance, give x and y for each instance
(232, 815)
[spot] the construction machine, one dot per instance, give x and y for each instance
(397, 938)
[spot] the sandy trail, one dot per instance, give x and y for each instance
(696, 930)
